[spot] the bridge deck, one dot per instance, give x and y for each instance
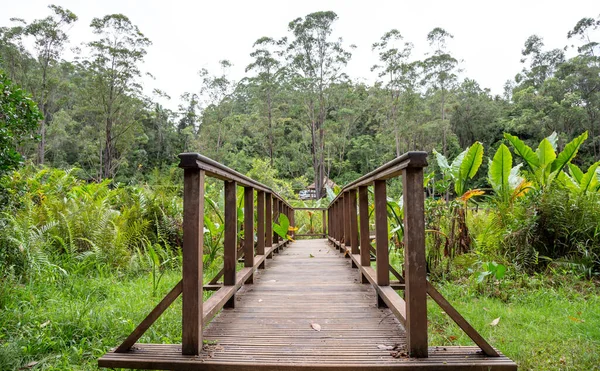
(276, 321)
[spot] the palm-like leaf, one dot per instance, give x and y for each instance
(524, 151)
(568, 153)
(469, 166)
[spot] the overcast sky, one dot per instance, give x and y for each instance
(190, 35)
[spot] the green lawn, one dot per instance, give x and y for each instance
(544, 324)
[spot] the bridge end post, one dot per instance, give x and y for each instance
(193, 232)
(415, 264)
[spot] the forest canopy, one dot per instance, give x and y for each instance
(296, 107)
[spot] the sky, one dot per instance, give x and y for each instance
(190, 35)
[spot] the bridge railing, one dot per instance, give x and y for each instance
(346, 233)
(353, 238)
(195, 312)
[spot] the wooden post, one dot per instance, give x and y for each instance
(353, 222)
(365, 242)
(340, 219)
(230, 239)
(260, 226)
(269, 222)
(193, 232)
(249, 230)
(275, 219)
(381, 236)
(292, 221)
(324, 224)
(347, 212)
(414, 262)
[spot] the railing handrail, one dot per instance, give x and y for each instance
(194, 160)
(391, 169)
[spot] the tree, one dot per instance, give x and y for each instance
(19, 117)
(50, 38)
(113, 70)
(440, 71)
(316, 62)
(267, 65)
(542, 64)
(400, 74)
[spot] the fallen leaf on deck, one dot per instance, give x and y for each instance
(315, 326)
(311, 255)
(495, 322)
(385, 347)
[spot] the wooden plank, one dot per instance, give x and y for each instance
(324, 221)
(260, 225)
(150, 318)
(270, 328)
(414, 261)
(230, 238)
(461, 322)
(381, 233)
(249, 229)
(193, 232)
(353, 222)
(365, 242)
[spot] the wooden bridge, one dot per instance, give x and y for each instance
(315, 304)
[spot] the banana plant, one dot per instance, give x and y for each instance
(580, 182)
(505, 178)
(544, 164)
(463, 168)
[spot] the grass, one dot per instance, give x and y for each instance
(545, 323)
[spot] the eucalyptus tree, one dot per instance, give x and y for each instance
(400, 75)
(216, 97)
(316, 61)
(267, 64)
(440, 70)
(113, 85)
(50, 37)
(542, 64)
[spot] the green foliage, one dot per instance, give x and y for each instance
(19, 117)
(282, 228)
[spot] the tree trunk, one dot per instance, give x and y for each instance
(108, 149)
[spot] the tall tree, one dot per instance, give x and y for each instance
(317, 61)
(393, 56)
(50, 38)
(267, 64)
(440, 72)
(114, 71)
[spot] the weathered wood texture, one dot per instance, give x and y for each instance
(273, 326)
(193, 230)
(414, 258)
